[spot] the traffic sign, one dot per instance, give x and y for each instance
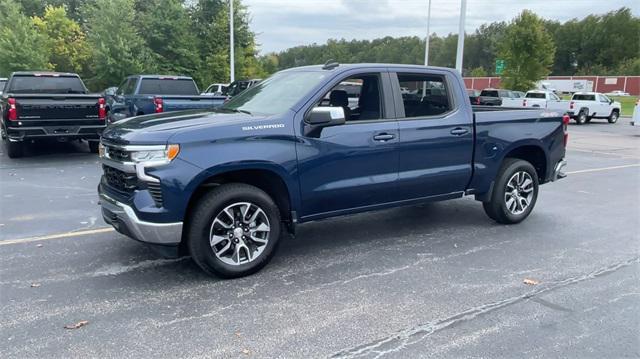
(499, 67)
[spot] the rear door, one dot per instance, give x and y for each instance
(436, 135)
(352, 166)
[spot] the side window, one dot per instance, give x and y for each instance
(360, 96)
(603, 98)
(554, 97)
(121, 87)
(130, 87)
(426, 95)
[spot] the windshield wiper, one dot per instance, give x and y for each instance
(236, 110)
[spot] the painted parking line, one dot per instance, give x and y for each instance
(603, 169)
(56, 236)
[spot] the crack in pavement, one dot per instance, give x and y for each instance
(406, 337)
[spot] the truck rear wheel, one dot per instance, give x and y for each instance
(582, 118)
(234, 230)
(14, 149)
(515, 192)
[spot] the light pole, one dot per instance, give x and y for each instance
(231, 45)
(426, 46)
(463, 14)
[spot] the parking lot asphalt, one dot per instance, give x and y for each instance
(436, 280)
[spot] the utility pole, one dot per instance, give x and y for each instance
(426, 47)
(459, 54)
(231, 44)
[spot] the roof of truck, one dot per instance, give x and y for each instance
(43, 73)
(366, 65)
(173, 77)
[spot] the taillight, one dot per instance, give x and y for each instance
(102, 108)
(571, 105)
(13, 112)
(157, 101)
(565, 127)
(524, 103)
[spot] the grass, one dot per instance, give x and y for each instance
(627, 103)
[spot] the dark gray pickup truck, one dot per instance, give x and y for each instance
(37, 105)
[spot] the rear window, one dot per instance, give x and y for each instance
(489, 93)
(168, 86)
(46, 84)
(535, 95)
(584, 97)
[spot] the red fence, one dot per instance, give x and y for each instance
(630, 84)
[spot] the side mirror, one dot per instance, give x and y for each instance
(321, 117)
(610, 101)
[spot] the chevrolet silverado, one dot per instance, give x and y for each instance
(224, 185)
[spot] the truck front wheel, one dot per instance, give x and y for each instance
(515, 192)
(613, 118)
(234, 230)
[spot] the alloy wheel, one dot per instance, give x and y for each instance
(519, 192)
(239, 233)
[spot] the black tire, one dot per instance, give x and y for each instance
(203, 215)
(582, 118)
(496, 207)
(93, 146)
(613, 118)
(14, 149)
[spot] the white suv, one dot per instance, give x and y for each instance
(585, 106)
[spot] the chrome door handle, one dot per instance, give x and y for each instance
(383, 137)
(459, 131)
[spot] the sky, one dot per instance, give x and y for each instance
(281, 24)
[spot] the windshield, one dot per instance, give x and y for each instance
(2, 83)
(168, 86)
(489, 93)
(276, 94)
(46, 84)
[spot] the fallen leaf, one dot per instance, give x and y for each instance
(35, 285)
(237, 334)
(529, 281)
(245, 351)
(77, 325)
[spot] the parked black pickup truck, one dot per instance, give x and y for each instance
(38, 105)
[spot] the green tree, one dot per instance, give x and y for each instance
(22, 46)
(478, 72)
(166, 28)
(117, 49)
(67, 48)
(528, 51)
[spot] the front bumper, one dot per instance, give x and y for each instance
(124, 219)
(557, 170)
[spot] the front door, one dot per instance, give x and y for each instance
(352, 166)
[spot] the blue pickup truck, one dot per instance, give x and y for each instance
(224, 185)
(146, 94)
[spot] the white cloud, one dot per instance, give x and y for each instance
(281, 24)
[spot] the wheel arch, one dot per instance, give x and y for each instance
(533, 153)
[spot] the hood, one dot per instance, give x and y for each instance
(158, 128)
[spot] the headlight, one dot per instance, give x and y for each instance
(155, 155)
